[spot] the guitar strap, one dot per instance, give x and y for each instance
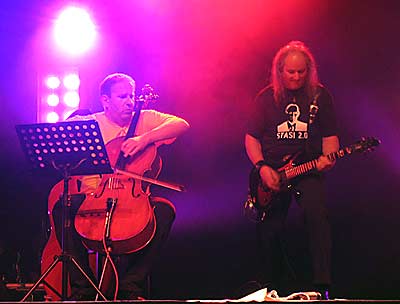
(313, 108)
(313, 111)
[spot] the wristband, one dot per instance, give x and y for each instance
(259, 164)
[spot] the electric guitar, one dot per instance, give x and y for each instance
(260, 197)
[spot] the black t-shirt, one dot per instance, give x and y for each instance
(285, 130)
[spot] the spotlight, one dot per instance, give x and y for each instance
(52, 117)
(52, 82)
(74, 30)
(71, 99)
(53, 100)
(71, 82)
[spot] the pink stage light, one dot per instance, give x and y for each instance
(52, 117)
(53, 82)
(71, 82)
(53, 100)
(71, 99)
(75, 31)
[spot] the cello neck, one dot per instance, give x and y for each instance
(121, 160)
(147, 95)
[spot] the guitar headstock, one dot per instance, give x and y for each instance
(366, 144)
(147, 95)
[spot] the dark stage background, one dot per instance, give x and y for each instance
(208, 59)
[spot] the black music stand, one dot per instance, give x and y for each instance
(69, 148)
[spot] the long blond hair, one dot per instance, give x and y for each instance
(312, 80)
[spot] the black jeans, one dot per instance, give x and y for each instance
(269, 232)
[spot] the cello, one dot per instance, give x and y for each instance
(118, 215)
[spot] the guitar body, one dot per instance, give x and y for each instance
(260, 197)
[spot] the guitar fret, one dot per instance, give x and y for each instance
(263, 198)
(308, 166)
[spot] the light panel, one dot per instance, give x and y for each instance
(58, 99)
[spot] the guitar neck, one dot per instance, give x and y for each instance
(306, 167)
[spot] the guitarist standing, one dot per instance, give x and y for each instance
(276, 132)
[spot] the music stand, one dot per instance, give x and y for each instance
(70, 148)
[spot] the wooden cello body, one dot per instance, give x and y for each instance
(118, 217)
(132, 223)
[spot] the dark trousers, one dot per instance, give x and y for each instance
(135, 267)
(132, 268)
(269, 232)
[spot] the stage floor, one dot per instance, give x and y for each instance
(15, 292)
(352, 301)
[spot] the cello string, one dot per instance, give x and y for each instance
(168, 185)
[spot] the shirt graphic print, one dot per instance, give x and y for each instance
(292, 128)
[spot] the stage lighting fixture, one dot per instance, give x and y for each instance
(53, 82)
(58, 99)
(71, 99)
(74, 30)
(53, 100)
(52, 117)
(71, 81)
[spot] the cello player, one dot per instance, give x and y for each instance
(117, 95)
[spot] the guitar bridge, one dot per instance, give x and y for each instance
(251, 211)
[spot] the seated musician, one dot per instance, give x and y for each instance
(117, 95)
